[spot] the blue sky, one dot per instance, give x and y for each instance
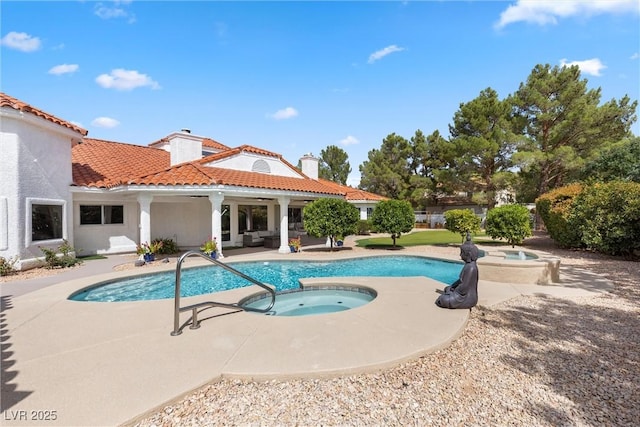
(296, 77)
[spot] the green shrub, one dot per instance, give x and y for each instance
(7, 266)
(330, 218)
(166, 246)
(364, 226)
(607, 217)
(554, 208)
(509, 222)
(462, 221)
(394, 217)
(64, 260)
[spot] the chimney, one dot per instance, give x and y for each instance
(184, 147)
(309, 165)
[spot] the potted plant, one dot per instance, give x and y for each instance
(294, 244)
(210, 248)
(148, 251)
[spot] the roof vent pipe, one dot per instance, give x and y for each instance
(185, 130)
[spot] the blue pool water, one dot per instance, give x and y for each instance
(520, 255)
(312, 300)
(281, 274)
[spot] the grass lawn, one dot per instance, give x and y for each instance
(430, 237)
(91, 257)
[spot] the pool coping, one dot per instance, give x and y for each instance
(91, 361)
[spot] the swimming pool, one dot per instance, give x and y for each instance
(311, 300)
(281, 274)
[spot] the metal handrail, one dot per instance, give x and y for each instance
(194, 307)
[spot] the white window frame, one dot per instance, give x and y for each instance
(102, 216)
(28, 219)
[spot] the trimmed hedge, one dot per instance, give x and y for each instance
(462, 221)
(509, 222)
(607, 217)
(554, 208)
(603, 217)
(364, 226)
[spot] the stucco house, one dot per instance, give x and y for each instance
(106, 197)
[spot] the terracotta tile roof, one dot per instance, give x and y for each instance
(194, 173)
(208, 142)
(190, 173)
(106, 164)
(99, 163)
(353, 193)
(8, 101)
(230, 152)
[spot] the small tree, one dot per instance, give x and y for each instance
(393, 216)
(331, 218)
(510, 222)
(462, 221)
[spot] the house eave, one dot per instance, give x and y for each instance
(194, 190)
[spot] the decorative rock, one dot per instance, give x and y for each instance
(139, 263)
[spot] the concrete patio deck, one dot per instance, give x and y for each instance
(86, 363)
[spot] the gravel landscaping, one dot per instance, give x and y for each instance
(528, 361)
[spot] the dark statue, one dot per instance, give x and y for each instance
(463, 293)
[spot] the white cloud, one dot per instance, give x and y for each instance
(121, 79)
(285, 113)
(114, 11)
(349, 140)
(384, 52)
(64, 69)
(543, 12)
(105, 122)
(635, 56)
(21, 41)
(588, 66)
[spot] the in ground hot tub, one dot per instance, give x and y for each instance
(522, 267)
(312, 300)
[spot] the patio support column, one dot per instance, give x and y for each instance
(216, 219)
(284, 225)
(233, 220)
(144, 200)
(271, 216)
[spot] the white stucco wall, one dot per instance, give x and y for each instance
(185, 220)
(309, 165)
(36, 168)
(245, 161)
(105, 238)
(184, 148)
(362, 206)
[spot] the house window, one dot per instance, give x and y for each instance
(46, 222)
(295, 219)
(252, 218)
(369, 212)
(226, 223)
(101, 214)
